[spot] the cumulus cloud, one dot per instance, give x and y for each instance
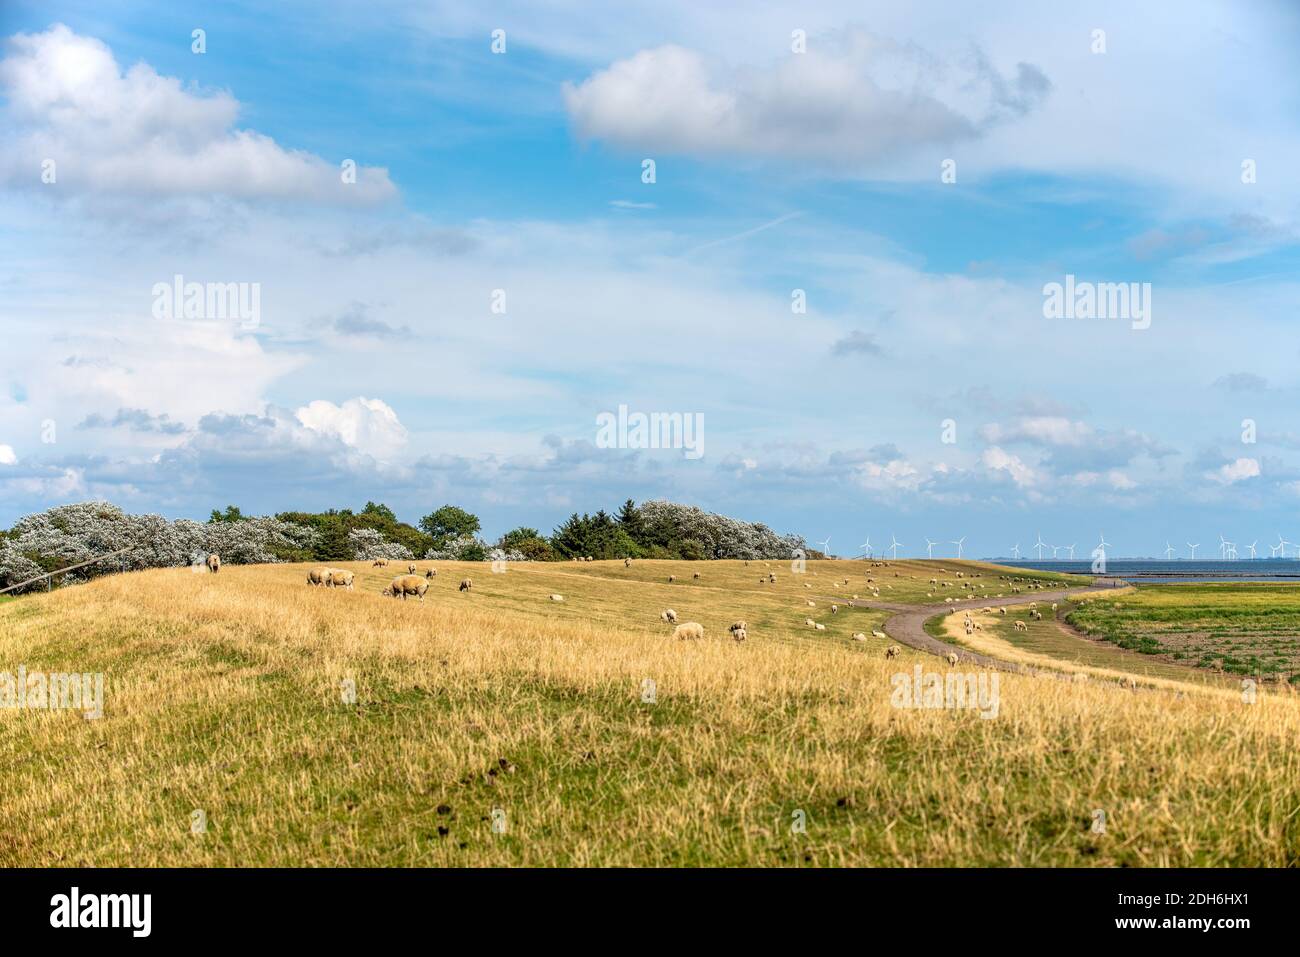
(856, 342)
(1000, 460)
(134, 420)
(853, 98)
(1074, 446)
(137, 132)
(355, 321)
(1236, 471)
(1241, 382)
(368, 425)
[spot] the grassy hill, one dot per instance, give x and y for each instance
(496, 727)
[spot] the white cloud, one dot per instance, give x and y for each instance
(851, 98)
(139, 132)
(7, 456)
(368, 425)
(1236, 471)
(1049, 430)
(1001, 461)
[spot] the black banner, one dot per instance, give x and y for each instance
(335, 907)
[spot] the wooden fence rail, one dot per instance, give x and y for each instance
(70, 568)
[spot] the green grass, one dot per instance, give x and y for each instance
(1240, 628)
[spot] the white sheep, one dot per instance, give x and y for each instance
(951, 658)
(893, 651)
(404, 585)
(689, 629)
(557, 598)
(466, 584)
(340, 579)
(669, 616)
(858, 636)
(214, 563)
(876, 633)
(316, 576)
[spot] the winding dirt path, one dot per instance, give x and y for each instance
(907, 626)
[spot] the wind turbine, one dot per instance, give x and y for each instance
(1169, 549)
(1251, 546)
(1071, 547)
(1040, 545)
(894, 546)
(1280, 546)
(1015, 551)
(825, 545)
(1055, 549)
(1225, 547)
(1193, 548)
(1103, 544)
(929, 548)
(958, 543)
(866, 546)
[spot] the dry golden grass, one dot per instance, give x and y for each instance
(223, 695)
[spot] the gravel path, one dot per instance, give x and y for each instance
(907, 626)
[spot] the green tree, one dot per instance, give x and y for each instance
(231, 514)
(447, 523)
(632, 522)
(380, 511)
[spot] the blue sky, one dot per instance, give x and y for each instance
(376, 369)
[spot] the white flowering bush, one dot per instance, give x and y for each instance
(463, 548)
(368, 544)
(69, 534)
(716, 535)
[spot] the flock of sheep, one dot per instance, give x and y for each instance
(415, 585)
(411, 584)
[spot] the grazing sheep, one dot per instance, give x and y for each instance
(1003, 609)
(339, 579)
(1021, 626)
(951, 658)
(893, 651)
(627, 563)
(835, 609)
(431, 573)
(466, 584)
(858, 636)
(1053, 606)
(669, 616)
(771, 578)
(809, 622)
(404, 585)
(557, 598)
(876, 633)
(410, 569)
(379, 563)
(671, 579)
(811, 603)
(696, 575)
(214, 563)
(316, 576)
(739, 634)
(737, 626)
(820, 627)
(689, 629)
